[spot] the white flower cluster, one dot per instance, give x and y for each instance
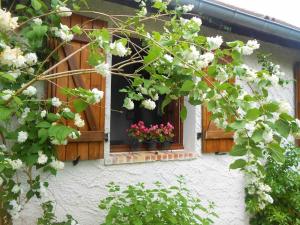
(64, 33)
(16, 164)
(55, 102)
(148, 104)
(214, 42)
(22, 136)
(7, 94)
(43, 113)
(64, 11)
(128, 104)
(256, 186)
(37, 21)
(15, 209)
(190, 27)
(29, 91)
(185, 8)
(42, 159)
(78, 121)
(15, 57)
(7, 22)
(57, 165)
(117, 48)
(96, 97)
(248, 48)
(192, 56)
(103, 69)
(24, 115)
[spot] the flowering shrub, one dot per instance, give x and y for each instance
(139, 205)
(180, 62)
(282, 184)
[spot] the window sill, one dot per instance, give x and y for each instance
(149, 156)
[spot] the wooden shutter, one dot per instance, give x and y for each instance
(297, 93)
(214, 139)
(91, 143)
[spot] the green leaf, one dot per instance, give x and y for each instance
(238, 150)
(80, 105)
(51, 117)
(36, 4)
(253, 114)
(20, 6)
(256, 151)
(5, 113)
(257, 135)
(183, 113)
(43, 124)
(43, 135)
(239, 163)
(277, 152)
(271, 107)
(7, 76)
(188, 85)
(282, 127)
(77, 30)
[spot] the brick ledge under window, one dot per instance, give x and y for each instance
(149, 156)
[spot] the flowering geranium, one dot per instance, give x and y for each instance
(138, 131)
(166, 132)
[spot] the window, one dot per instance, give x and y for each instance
(121, 119)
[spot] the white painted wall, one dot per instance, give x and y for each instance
(78, 189)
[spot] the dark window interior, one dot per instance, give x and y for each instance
(121, 119)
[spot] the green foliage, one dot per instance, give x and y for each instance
(284, 180)
(138, 205)
(49, 218)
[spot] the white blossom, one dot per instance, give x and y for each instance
(191, 54)
(103, 69)
(214, 42)
(117, 48)
(37, 21)
(57, 165)
(63, 33)
(22, 136)
(197, 20)
(78, 121)
(55, 102)
(128, 104)
(148, 104)
(168, 57)
(42, 159)
(187, 8)
(7, 94)
(268, 136)
(31, 59)
(30, 91)
(7, 22)
(3, 147)
(97, 95)
(15, 164)
(64, 11)
(43, 113)
(12, 57)
(24, 115)
(253, 44)
(250, 127)
(284, 107)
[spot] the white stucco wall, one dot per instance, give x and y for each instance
(78, 189)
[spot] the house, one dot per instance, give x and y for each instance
(199, 151)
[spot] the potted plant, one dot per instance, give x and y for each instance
(151, 137)
(137, 133)
(166, 135)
